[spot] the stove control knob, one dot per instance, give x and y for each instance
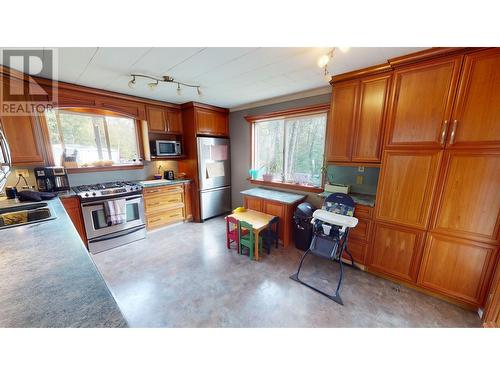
(86, 194)
(93, 193)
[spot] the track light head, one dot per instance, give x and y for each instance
(131, 84)
(179, 92)
(152, 85)
(198, 89)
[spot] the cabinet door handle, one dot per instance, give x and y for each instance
(443, 132)
(453, 131)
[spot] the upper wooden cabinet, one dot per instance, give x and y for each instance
(406, 186)
(356, 121)
(209, 122)
(476, 115)
(23, 134)
(421, 103)
(458, 268)
(468, 202)
(164, 120)
(341, 121)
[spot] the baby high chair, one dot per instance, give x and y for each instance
(331, 226)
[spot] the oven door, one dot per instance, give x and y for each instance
(95, 218)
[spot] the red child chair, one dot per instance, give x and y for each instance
(232, 232)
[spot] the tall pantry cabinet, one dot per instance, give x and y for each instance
(439, 186)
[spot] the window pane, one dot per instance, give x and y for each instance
(305, 143)
(122, 139)
(91, 138)
(268, 147)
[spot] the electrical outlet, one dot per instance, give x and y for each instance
(359, 180)
(361, 169)
(22, 172)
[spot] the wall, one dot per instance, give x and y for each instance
(240, 144)
(76, 179)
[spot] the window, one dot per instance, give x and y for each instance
(92, 139)
(290, 149)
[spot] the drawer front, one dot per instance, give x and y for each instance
(363, 211)
(164, 217)
(163, 201)
(362, 230)
(162, 190)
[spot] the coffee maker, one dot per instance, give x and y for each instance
(51, 179)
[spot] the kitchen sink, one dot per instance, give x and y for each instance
(25, 214)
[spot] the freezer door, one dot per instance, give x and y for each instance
(213, 162)
(215, 202)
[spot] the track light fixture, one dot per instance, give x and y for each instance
(157, 80)
(324, 60)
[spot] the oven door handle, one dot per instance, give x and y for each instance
(99, 203)
(117, 235)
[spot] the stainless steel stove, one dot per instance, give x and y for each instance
(107, 190)
(101, 234)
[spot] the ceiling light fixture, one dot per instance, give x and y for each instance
(323, 62)
(157, 80)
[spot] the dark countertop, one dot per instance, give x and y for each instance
(362, 199)
(49, 278)
(274, 195)
(162, 182)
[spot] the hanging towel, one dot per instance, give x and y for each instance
(115, 211)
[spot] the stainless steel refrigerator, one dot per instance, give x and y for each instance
(214, 170)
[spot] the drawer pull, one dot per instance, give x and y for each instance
(155, 220)
(174, 215)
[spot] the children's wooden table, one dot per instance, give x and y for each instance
(258, 220)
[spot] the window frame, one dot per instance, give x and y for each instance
(291, 113)
(99, 112)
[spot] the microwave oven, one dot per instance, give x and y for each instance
(165, 148)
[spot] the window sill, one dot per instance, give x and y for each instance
(286, 185)
(104, 169)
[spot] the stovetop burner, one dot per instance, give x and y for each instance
(107, 190)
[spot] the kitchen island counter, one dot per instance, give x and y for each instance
(49, 278)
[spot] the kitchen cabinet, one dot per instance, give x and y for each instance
(421, 103)
(406, 186)
(457, 268)
(360, 235)
(164, 120)
(396, 251)
(491, 317)
(276, 209)
(357, 117)
(476, 114)
(188, 205)
(164, 205)
(254, 204)
(209, 122)
(468, 199)
(74, 211)
(341, 121)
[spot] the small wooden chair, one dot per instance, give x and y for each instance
(246, 238)
(232, 232)
(271, 234)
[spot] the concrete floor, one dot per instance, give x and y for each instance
(183, 276)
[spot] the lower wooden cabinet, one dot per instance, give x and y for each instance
(458, 268)
(357, 249)
(74, 211)
(188, 201)
(491, 317)
(165, 205)
(276, 209)
(254, 204)
(396, 251)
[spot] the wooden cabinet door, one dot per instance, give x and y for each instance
(357, 250)
(341, 121)
(174, 121)
(253, 203)
(221, 124)
(368, 134)
(205, 122)
(74, 211)
(476, 115)
(396, 251)
(421, 103)
(458, 268)
(24, 139)
(276, 209)
(407, 183)
(491, 315)
(468, 203)
(156, 119)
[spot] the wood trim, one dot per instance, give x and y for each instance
(191, 105)
(104, 169)
(428, 54)
(286, 185)
(491, 317)
(355, 164)
(361, 73)
(311, 109)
